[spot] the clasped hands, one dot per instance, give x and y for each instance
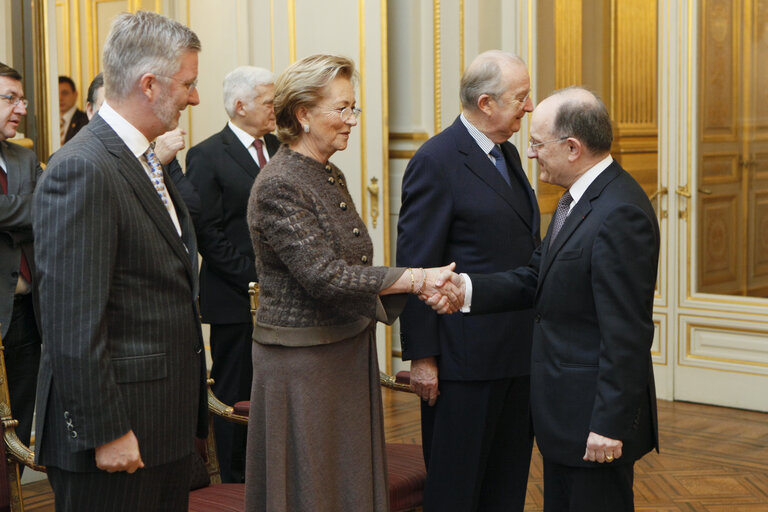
(443, 289)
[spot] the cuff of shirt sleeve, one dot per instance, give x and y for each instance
(467, 293)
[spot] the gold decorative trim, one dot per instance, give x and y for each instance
(436, 64)
(408, 135)
(364, 213)
(689, 355)
(568, 42)
(292, 30)
(401, 154)
(66, 37)
(461, 38)
(385, 162)
(272, 34)
(81, 99)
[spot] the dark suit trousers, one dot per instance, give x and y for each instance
(163, 488)
(477, 446)
(606, 488)
(232, 373)
(22, 360)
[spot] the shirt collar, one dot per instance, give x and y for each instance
(133, 138)
(242, 135)
(480, 138)
(585, 180)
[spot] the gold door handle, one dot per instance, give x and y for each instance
(656, 196)
(373, 192)
(683, 191)
(705, 191)
(659, 192)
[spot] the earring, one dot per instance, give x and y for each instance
(306, 128)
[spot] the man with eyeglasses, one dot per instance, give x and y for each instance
(592, 282)
(122, 392)
(223, 168)
(466, 198)
(19, 173)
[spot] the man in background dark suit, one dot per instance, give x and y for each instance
(466, 199)
(122, 393)
(222, 168)
(72, 118)
(19, 173)
(591, 283)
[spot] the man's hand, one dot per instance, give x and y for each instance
(168, 144)
(447, 295)
(602, 449)
(122, 454)
(424, 379)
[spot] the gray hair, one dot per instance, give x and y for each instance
(241, 83)
(583, 116)
(301, 85)
(141, 43)
(484, 76)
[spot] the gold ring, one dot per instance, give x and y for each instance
(609, 458)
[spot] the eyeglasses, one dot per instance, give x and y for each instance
(189, 85)
(14, 100)
(534, 145)
(347, 112)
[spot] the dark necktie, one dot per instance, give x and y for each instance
(501, 165)
(260, 152)
(23, 265)
(561, 212)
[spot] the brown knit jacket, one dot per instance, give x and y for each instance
(313, 254)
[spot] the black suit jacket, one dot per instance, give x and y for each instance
(122, 345)
(23, 171)
(79, 119)
(457, 207)
(223, 172)
(593, 295)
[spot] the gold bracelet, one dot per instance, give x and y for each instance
(412, 279)
(423, 281)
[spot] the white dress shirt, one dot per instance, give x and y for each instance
(137, 143)
(247, 140)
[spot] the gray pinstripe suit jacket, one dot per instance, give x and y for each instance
(121, 336)
(15, 222)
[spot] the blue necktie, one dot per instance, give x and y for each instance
(500, 164)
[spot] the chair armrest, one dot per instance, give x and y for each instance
(219, 408)
(398, 383)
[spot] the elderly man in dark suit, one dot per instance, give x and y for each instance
(19, 173)
(467, 199)
(222, 168)
(591, 283)
(72, 118)
(121, 394)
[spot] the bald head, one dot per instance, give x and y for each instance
(578, 113)
(490, 73)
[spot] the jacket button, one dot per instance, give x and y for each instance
(538, 317)
(341, 183)
(328, 168)
(356, 232)
(364, 259)
(343, 205)
(73, 434)
(331, 180)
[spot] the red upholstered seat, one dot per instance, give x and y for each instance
(403, 377)
(242, 408)
(218, 498)
(407, 476)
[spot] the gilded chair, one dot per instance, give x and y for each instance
(405, 462)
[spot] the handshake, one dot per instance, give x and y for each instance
(442, 289)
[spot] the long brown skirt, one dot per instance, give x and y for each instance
(315, 430)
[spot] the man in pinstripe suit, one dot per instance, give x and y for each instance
(121, 394)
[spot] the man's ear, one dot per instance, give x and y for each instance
(149, 85)
(484, 104)
(575, 148)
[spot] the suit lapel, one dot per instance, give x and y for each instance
(133, 172)
(13, 168)
(238, 152)
(519, 177)
(576, 217)
(480, 165)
